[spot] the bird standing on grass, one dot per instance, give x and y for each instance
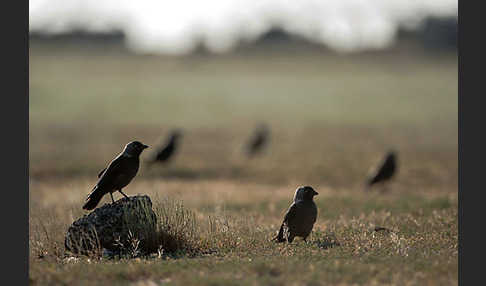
(386, 171)
(300, 217)
(165, 153)
(117, 175)
(258, 141)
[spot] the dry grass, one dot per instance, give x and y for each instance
(235, 235)
(331, 119)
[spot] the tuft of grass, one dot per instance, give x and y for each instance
(177, 232)
(45, 236)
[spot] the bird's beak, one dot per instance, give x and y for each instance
(315, 193)
(145, 146)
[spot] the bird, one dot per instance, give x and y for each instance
(258, 140)
(386, 170)
(166, 152)
(300, 217)
(117, 175)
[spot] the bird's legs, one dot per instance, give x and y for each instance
(290, 238)
(123, 193)
(112, 200)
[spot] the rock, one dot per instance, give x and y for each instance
(127, 225)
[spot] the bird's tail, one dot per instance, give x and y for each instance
(369, 182)
(280, 236)
(93, 199)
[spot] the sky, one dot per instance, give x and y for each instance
(177, 27)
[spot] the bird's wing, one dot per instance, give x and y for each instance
(376, 173)
(113, 170)
(373, 178)
(386, 166)
(101, 173)
(389, 164)
(289, 215)
(291, 212)
(164, 151)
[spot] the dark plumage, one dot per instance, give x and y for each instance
(300, 217)
(166, 152)
(386, 171)
(117, 175)
(258, 141)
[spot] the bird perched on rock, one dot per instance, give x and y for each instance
(117, 175)
(166, 152)
(258, 140)
(386, 170)
(300, 217)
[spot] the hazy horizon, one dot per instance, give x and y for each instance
(178, 27)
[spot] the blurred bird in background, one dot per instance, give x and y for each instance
(164, 153)
(385, 172)
(300, 217)
(258, 141)
(117, 175)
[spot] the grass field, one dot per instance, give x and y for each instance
(332, 118)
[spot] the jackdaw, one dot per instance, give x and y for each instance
(300, 217)
(258, 140)
(166, 152)
(117, 175)
(386, 170)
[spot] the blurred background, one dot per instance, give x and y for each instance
(337, 83)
